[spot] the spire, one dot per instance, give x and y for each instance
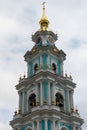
(44, 22)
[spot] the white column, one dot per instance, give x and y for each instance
(37, 125)
(72, 103)
(74, 127)
(46, 124)
(58, 125)
(53, 124)
(79, 128)
(20, 100)
(23, 102)
(32, 125)
(53, 94)
(49, 100)
(41, 60)
(37, 99)
(67, 101)
(41, 94)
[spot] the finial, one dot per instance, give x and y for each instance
(70, 76)
(76, 110)
(20, 77)
(72, 109)
(43, 4)
(19, 111)
(24, 75)
(65, 74)
(44, 21)
(15, 113)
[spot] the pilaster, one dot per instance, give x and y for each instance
(67, 101)
(23, 101)
(41, 94)
(53, 94)
(71, 95)
(53, 124)
(38, 127)
(37, 98)
(46, 124)
(74, 127)
(49, 101)
(58, 125)
(33, 126)
(20, 100)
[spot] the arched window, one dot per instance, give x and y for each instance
(32, 101)
(54, 67)
(35, 67)
(59, 100)
(38, 40)
(28, 129)
(63, 128)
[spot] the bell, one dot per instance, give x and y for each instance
(61, 104)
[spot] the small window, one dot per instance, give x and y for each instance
(54, 67)
(35, 67)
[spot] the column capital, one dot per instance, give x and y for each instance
(46, 119)
(37, 120)
(74, 127)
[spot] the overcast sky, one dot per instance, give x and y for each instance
(18, 20)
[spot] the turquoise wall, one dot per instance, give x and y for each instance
(43, 125)
(44, 56)
(66, 125)
(59, 64)
(49, 125)
(24, 127)
(31, 68)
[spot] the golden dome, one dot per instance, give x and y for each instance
(44, 22)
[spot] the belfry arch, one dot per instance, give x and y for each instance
(59, 100)
(31, 101)
(63, 128)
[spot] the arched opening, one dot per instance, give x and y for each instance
(59, 100)
(29, 129)
(32, 101)
(54, 67)
(63, 128)
(35, 67)
(38, 40)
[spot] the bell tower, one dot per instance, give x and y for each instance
(46, 94)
